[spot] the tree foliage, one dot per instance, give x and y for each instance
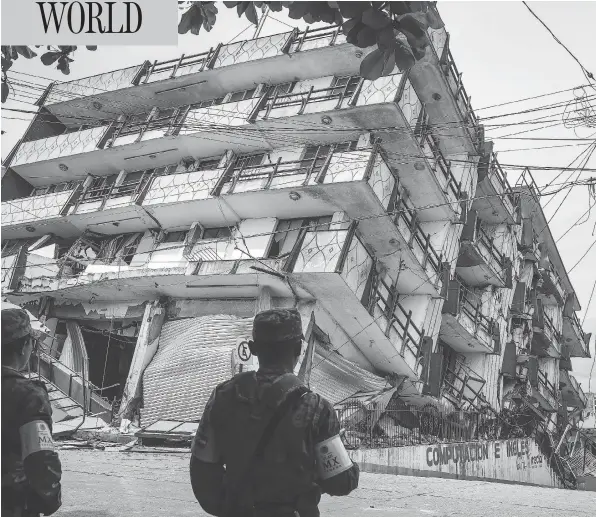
(398, 30)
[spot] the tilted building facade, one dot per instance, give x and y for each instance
(149, 212)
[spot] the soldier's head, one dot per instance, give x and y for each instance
(277, 337)
(17, 338)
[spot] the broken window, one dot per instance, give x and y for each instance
(208, 165)
(281, 89)
(177, 236)
(288, 231)
(217, 233)
(242, 95)
(208, 102)
(344, 86)
(253, 160)
(99, 188)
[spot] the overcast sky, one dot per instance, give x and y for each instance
(504, 54)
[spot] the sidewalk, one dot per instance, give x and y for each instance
(118, 484)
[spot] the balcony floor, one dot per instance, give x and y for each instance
(213, 83)
(474, 270)
(460, 336)
(577, 346)
(490, 203)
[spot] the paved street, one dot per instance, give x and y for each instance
(118, 484)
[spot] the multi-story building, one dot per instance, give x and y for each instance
(149, 212)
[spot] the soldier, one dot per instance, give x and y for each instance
(266, 445)
(31, 469)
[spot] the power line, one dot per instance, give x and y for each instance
(584, 70)
(582, 257)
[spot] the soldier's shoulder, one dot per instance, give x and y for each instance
(231, 385)
(30, 396)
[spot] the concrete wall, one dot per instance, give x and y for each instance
(515, 461)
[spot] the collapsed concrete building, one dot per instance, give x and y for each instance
(149, 212)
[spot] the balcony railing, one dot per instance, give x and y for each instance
(462, 385)
(500, 183)
(571, 324)
(93, 85)
(492, 254)
(473, 313)
(552, 284)
(395, 320)
(35, 208)
(420, 242)
(76, 142)
(100, 198)
(547, 389)
(440, 166)
(470, 121)
(217, 57)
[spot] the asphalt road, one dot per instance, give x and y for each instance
(118, 484)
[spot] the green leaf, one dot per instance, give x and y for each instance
(92, 48)
(231, 4)
(6, 64)
(209, 13)
(49, 58)
(418, 6)
(298, 10)
(404, 59)
(191, 20)
(372, 65)
(26, 52)
(433, 19)
(276, 7)
(63, 65)
(5, 91)
(367, 37)
(399, 8)
(352, 36)
(251, 14)
(389, 65)
(375, 19)
(67, 49)
(349, 25)
(415, 34)
(386, 39)
(353, 9)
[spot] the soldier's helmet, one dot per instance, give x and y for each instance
(16, 324)
(277, 326)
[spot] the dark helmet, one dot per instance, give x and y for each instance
(277, 326)
(16, 324)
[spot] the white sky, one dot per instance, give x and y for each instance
(504, 54)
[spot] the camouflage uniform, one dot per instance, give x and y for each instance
(284, 481)
(31, 469)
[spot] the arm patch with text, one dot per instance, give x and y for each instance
(35, 436)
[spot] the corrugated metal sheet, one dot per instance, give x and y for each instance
(338, 379)
(194, 355)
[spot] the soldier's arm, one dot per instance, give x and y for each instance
(40, 460)
(206, 468)
(327, 426)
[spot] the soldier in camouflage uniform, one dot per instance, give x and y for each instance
(227, 477)
(31, 468)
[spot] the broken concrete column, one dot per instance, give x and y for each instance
(145, 349)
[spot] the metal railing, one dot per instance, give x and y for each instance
(462, 385)
(489, 244)
(470, 121)
(495, 171)
(474, 312)
(302, 99)
(386, 300)
(170, 68)
(452, 186)
(380, 428)
(417, 235)
(547, 387)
